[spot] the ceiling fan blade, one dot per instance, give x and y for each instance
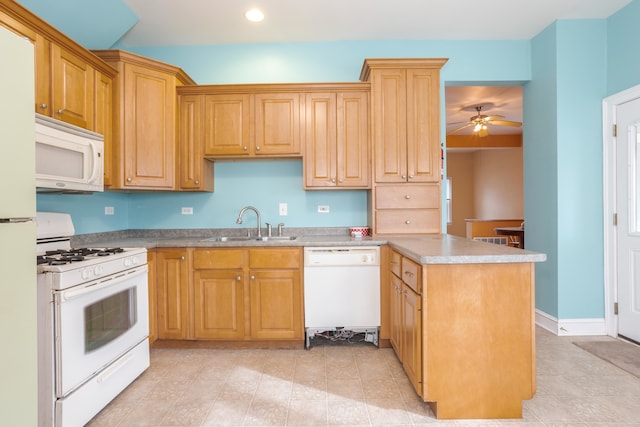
(457, 123)
(461, 127)
(504, 123)
(496, 117)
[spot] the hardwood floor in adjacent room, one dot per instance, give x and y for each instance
(354, 385)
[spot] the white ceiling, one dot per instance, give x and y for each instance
(206, 22)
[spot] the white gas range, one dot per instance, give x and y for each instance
(93, 323)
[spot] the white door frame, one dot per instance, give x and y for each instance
(609, 119)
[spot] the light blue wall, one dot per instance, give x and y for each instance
(581, 53)
(623, 61)
(541, 167)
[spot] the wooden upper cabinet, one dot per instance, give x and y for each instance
(73, 86)
(227, 125)
(250, 120)
(196, 173)
(103, 119)
(145, 154)
(277, 124)
(66, 74)
(405, 113)
(337, 140)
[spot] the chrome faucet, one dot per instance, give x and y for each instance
(243, 210)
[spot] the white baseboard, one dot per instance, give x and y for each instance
(570, 327)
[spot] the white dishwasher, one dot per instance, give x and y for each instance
(342, 291)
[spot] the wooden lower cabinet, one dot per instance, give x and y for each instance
(406, 316)
(172, 281)
(465, 334)
(230, 294)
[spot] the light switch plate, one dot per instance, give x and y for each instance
(282, 209)
(109, 210)
(187, 211)
(323, 208)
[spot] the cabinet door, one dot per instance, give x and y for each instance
(218, 304)
(396, 317)
(195, 172)
(423, 127)
(149, 128)
(72, 83)
(389, 116)
(320, 160)
(103, 120)
(276, 304)
(227, 125)
(173, 293)
(153, 296)
(412, 337)
(277, 124)
(352, 145)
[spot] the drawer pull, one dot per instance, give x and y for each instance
(407, 222)
(407, 197)
(408, 273)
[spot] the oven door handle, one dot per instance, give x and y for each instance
(96, 286)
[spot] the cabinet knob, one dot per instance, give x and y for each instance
(257, 148)
(129, 179)
(404, 176)
(253, 277)
(408, 273)
(196, 182)
(407, 222)
(340, 181)
(407, 197)
(238, 278)
(411, 176)
(58, 111)
(43, 106)
(333, 180)
(182, 258)
(245, 148)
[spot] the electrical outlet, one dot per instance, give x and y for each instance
(323, 208)
(187, 211)
(282, 209)
(109, 210)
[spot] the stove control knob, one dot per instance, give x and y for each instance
(127, 262)
(135, 260)
(97, 270)
(85, 274)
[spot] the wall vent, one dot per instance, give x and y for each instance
(502, 240)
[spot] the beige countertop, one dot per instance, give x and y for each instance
(426, 249)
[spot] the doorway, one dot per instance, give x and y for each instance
(484, 169)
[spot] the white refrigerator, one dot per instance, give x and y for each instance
(18, 316)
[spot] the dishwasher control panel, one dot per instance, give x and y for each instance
(341, 256)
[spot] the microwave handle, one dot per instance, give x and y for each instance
(94, 168)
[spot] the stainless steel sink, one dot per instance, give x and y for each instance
(247, 239)
(227, 239)
(272, 238)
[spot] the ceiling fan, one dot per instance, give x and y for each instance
(480, 123)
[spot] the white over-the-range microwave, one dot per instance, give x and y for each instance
(68, 158)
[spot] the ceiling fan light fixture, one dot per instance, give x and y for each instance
(254, 15)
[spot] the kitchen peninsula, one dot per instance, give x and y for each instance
(458, 313)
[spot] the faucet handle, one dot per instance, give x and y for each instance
(268, 229)
(280, 226)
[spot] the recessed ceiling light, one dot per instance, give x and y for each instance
(254, 15)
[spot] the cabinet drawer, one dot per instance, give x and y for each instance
(275, 258)
(403, 221)
(407, 196)
(411, 274)
(394, 263)
(218, 258)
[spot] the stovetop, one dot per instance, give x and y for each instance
(70, 267)
(68, 256)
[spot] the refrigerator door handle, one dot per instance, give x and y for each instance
(15, 220)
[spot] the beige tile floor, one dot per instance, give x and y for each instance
(356, 385)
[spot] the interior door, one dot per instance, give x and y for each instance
(628, 229)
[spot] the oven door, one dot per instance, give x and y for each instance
(96, 323)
